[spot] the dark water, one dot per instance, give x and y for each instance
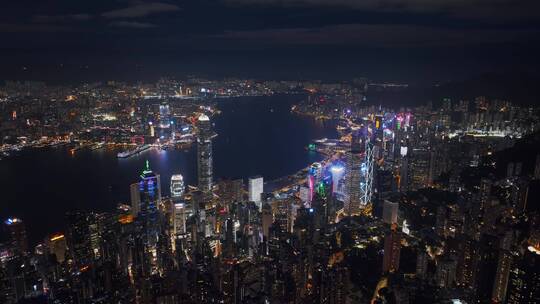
(39, 186)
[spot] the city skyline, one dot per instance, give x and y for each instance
(270, 152)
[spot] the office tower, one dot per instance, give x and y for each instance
(403, 181)
(16, 232)
(181, 213)
(230, 236)
(255, 189)
(392, 249)
(305, 195)
(485, 192)
(164, 116)
(440, 221)
(135, 197)
(519, 195)
(150, 219)
(422, 260)
(446, 273)
(524, 282)
(230, 191)
(177, 186)
(390, 212)
(486, 269)
(337, 173)
(353, 173)
(366, 177)
(95, 235)
(149, 190)
(78, 238)
(316, 171)
(313, 178)
(57, 246)
(204, 155)
(419, 168)
(501, 277)
(467, 261)
(267, 219)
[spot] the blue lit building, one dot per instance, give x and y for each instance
(150, 217)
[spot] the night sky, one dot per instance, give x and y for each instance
(418, 40)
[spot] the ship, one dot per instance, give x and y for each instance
(97, 146)
(135, 151)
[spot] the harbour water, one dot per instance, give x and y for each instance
(256, 136)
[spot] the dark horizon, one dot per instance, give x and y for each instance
(394, 40)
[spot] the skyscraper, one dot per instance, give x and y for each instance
(57, 246)
(177, 186)
(149, 190)
(390, 212)
(204, 155)
(353, 175)
(392, 249)
(366, 175)
(419, 168)
(150, 218)
(135, 197)
(78, 238)
(181, 213)
(524, 283)
(16, 232)
(255, 189)
(337, 174)
(164, 116)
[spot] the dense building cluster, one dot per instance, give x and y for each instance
(424, 205)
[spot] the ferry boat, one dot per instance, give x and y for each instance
(135, 151)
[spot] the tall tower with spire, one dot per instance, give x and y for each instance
(149, 189)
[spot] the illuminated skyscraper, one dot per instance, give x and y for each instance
(181, 212)
(316, 171)
(204, 154)
(177, 186)
(419, 168)
(150, 217)
(366, 177)
(314, 177)
(16, 232)
(255, 189)
(164, 116)
(149, 190)
(359, 174)
(337, 173)
(353, 175)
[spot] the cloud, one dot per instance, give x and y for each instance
(32, 28)
(61, 18)
(141, 10)
(381, 36)
(132, 24)
(462, 8)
